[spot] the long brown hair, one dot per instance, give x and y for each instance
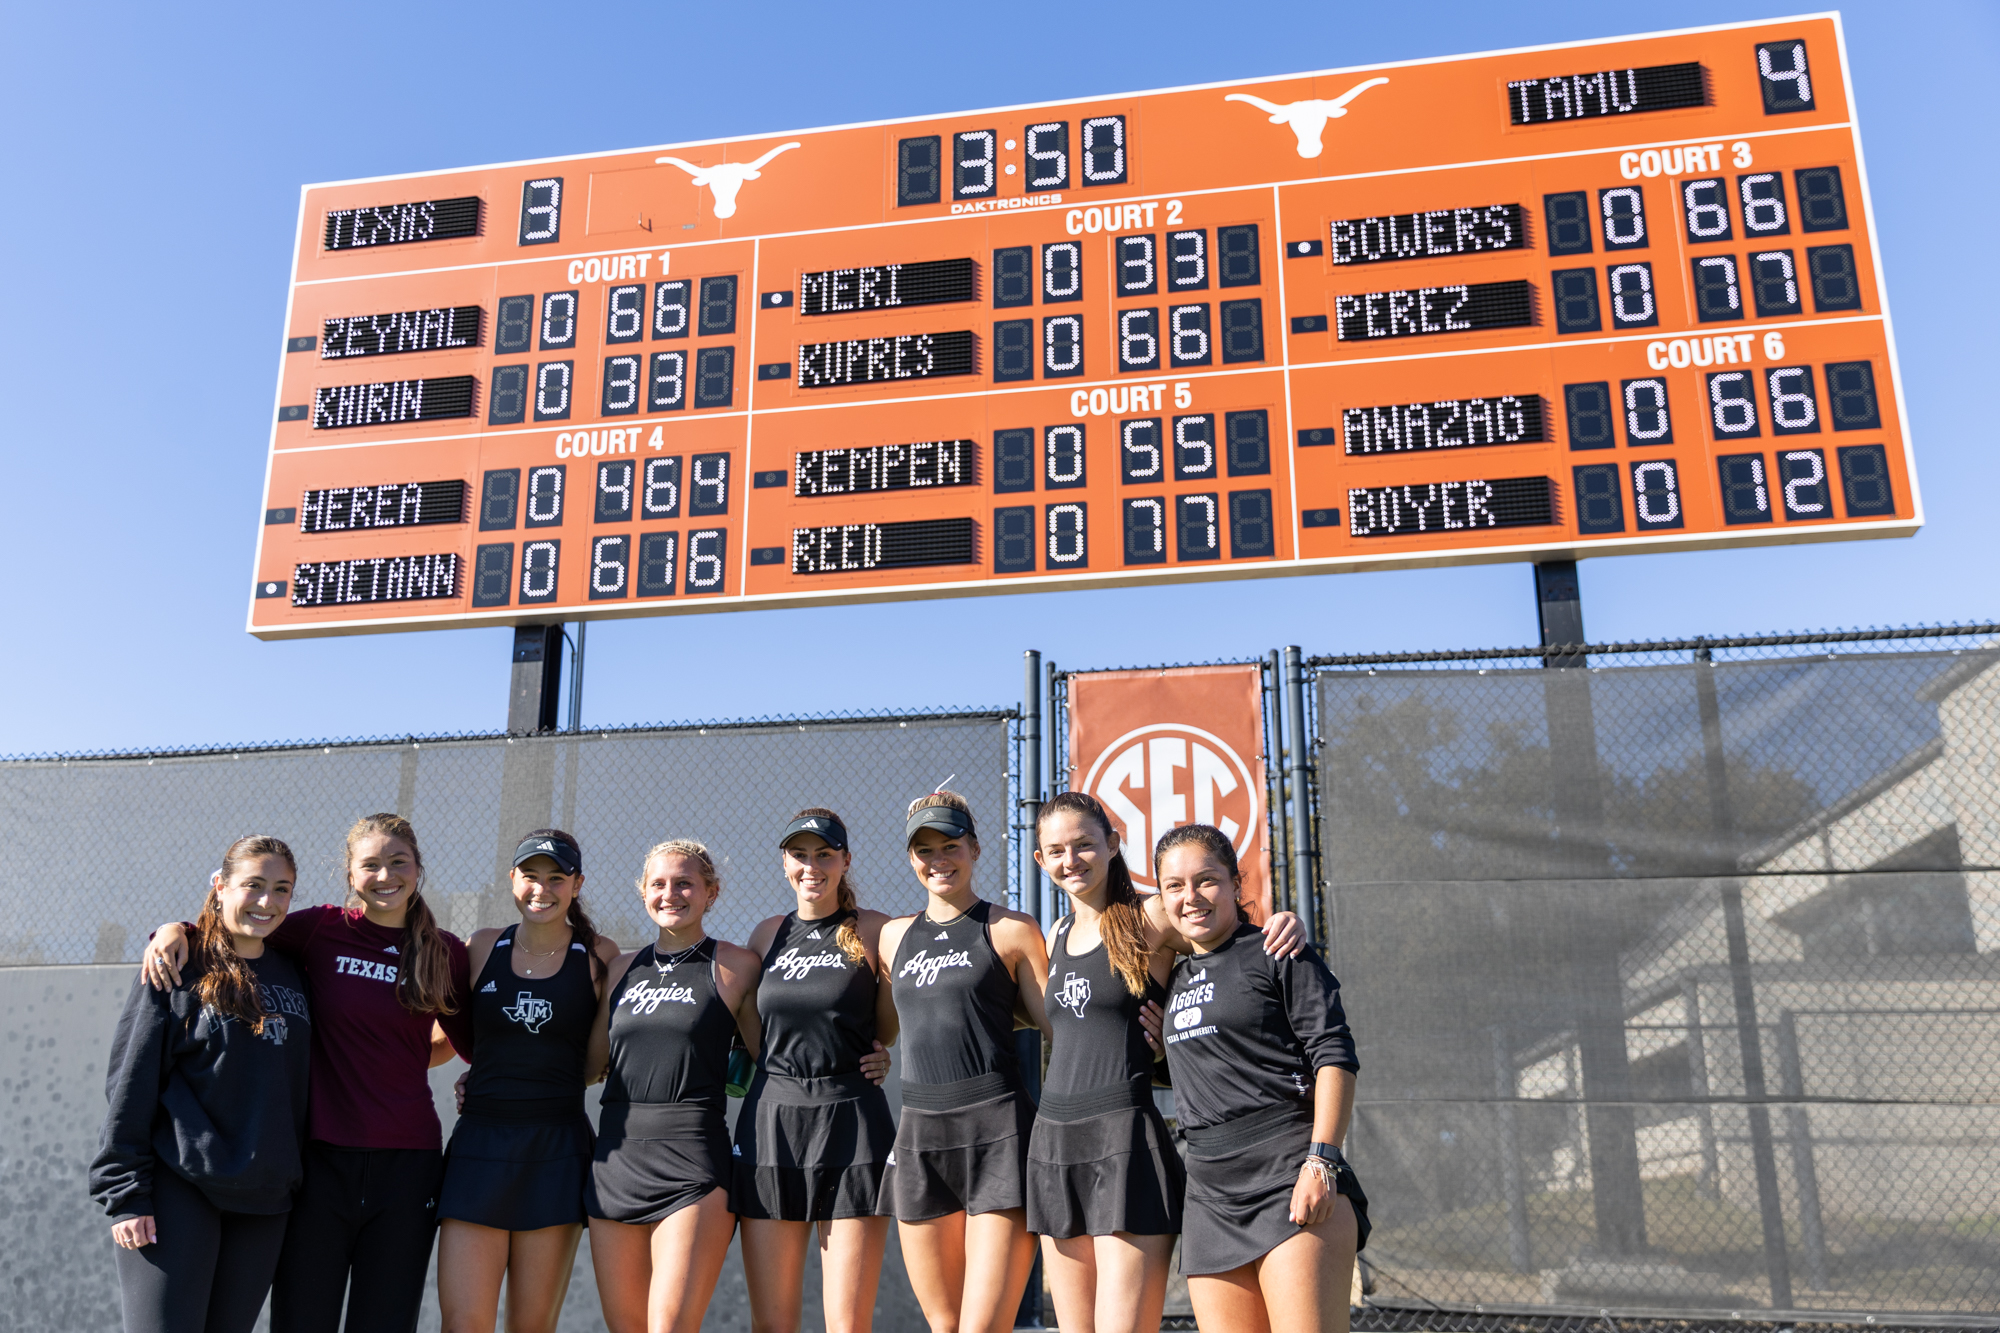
(227, 985)
(423, 959)
(582, 931)
(1122, 922)
(848, 937)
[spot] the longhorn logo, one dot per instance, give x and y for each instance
(1308, 118)
(726, 178)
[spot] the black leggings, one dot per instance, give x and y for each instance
(371, 1213)
(208, 1272)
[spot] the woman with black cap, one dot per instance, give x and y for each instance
(814, 1134)
(960, 970)
(512, 1201)
(1263, 1067)
(1104, 1182)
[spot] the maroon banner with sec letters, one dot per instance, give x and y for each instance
(1181, 746)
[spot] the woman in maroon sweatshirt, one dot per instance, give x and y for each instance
(382, 973)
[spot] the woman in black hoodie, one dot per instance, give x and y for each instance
(207, 1084)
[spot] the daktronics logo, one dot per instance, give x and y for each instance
(1158, 777)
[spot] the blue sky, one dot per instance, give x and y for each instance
(153, 162)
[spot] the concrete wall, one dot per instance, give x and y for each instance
(56, 1268)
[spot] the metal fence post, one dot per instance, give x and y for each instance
(1055, 775)
(1028, 1043)
(1031, 783)
(1506, 1090)
(1709, 1181)
(576, 678)
(1301, 808)
(1274, 781)
(1805, 1171)
(1722, 826)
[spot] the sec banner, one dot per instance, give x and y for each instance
(1182, 746)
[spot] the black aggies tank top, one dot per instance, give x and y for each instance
(818, 1008)
(1098, 1046)
(670, 1031)
(955, 1000)
(529, 1033)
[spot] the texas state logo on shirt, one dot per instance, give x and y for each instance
(529, 1011)
(1075, 993)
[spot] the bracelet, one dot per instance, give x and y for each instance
(1321, 1168)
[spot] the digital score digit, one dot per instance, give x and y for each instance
(1602, 298)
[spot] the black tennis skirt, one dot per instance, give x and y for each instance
(811, 1149)
(960, 1148)
(654, 1159)
(1240, 1178)
(517, 1166)
(1101, 1163)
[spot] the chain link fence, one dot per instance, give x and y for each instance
(117, 844)
(1676, 974)
(1675, 967)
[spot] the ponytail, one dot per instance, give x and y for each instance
(227, 985)
(585, 933)
(848, 937)
(1122, 922)
(423, 968)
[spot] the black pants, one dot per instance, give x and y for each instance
(208, 1272)
(371, 1214)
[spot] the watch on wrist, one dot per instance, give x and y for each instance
(1326, 1152)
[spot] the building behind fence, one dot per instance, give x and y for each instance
(1675, 968)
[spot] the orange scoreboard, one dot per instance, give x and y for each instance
(1555, 302)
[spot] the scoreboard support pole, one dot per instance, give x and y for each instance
(1749, 1041)
(535, 687)
(1559, 609)
(527, 772)
(1576, 784)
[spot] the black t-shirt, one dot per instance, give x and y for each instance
(1246, 1031)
